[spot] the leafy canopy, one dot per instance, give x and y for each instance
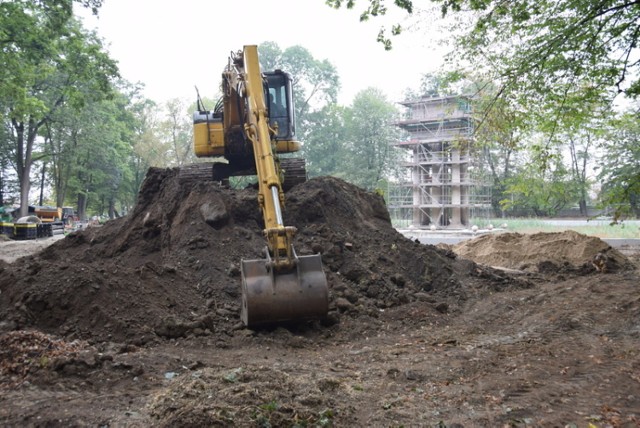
(619, 168)
(376, 8)
(536, 44)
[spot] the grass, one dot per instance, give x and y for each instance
(598, 228)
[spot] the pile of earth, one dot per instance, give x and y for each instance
(416, 335)
(543, 252)
(171, 267)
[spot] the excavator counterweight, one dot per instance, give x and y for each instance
(250, 127)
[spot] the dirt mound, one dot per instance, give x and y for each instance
(416, 335)
(171, 268)
(547, 252)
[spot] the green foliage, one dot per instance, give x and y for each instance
(324, 147)
(601, 228)
(580, 144)
(320, 123)
(269, 407)
(49, 62)
(270, 56)
(376, 8)
(100, 155)
(370, 130)
(315, 82)
(556, 59)
(352, 142)
(505, 128)
(440, 84)
(43, 61)
(620, 166)
(559, 54)
(544, 71)
(539, 192)
(176, 129)
(552, 43)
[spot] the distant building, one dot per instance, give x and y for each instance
(441, 190)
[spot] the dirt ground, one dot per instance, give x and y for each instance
(11, 250)
(136, 323)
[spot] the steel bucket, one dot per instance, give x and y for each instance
(270, 297)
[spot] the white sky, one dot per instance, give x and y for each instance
(173, 46)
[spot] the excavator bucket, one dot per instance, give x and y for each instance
(270, 297)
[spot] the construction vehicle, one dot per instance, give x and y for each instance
(48, 214)
(250, 126)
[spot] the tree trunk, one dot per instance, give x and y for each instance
(44, 170)
(24, 149)
(634, 201)
(583, 207)
(20, 168)
(112, 208)
(25, 187)
(82, 206)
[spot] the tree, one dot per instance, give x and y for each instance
(560, 61)
(497, 142)
(148, 148)
(102, 152)
(580, 146)
(315, 82)
(556, 59)
(49, 61)
(620, 166)
(61, 142)
(324, 147)
(376, 8)
(540, 192)
(545, 42)
(353, 142)
(369, 132)
(176, 128)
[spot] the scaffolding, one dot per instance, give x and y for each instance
(443, 186)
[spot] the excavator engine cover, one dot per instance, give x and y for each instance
(270, 297)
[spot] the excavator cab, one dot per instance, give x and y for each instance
(280, 104)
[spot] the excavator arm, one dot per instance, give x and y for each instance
(283, 286)
(270, 195)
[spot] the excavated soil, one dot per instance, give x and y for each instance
(544, 252)
(136, 323)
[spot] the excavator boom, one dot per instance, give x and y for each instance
(283, 286)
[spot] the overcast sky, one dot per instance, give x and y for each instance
(174, 46)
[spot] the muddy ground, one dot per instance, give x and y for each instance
(137, 323)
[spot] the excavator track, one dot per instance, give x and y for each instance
(196, 172)
(295, 172)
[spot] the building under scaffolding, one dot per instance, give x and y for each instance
(442, 186)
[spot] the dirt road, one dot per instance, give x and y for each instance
(11, 250)
(137, 324)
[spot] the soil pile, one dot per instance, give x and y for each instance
(416, 336)
(171, 268)
(544, 252)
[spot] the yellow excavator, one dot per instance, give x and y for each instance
(249, 127)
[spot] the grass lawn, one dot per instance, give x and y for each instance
(599, 228)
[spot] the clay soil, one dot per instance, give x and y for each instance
(136, 323)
